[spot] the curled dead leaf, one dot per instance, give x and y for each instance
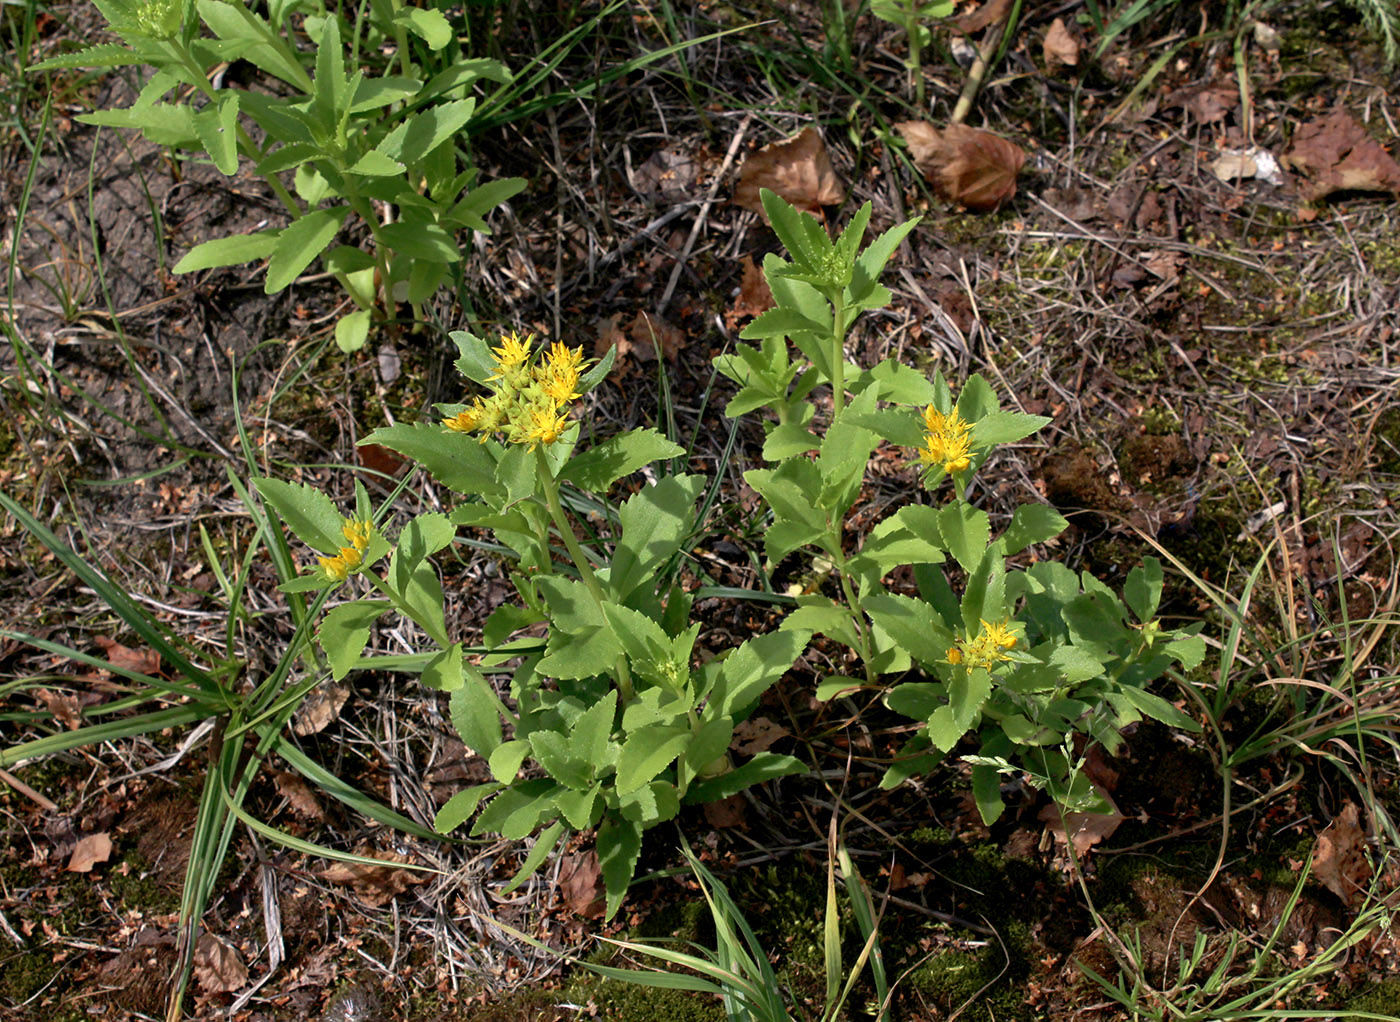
(969, 166)
(218, 967)
(1060, 49)
(1336, 154)
(375, 885)
(1339, 857)
(1084, 829)
(580, 884)
(143, 661)
(320, 708)
(799, 170)
(754, 736)
(90, 850)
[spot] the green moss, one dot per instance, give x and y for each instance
(1380, 998)
(984, 985)
(135, 887)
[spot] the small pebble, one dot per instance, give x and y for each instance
(353, 1004)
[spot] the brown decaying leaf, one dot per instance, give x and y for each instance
(1339, 858)
(755, 736)
(1084, 829)
(969, 166)
(799, 170)
(320, 708)
(218, 967)
(145, 661)
(726, 813)
(989, 13)
(755, 296)
(376, 885)
(1061, 48)
(1337, 155)
(89, 851)
(65, 708)
(299, 794)
(580, 884)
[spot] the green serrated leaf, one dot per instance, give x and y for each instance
(460, 807)
(308, 512)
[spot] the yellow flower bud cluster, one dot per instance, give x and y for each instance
(530, 399)
(947, 440)
(357, 534)
(986, 648)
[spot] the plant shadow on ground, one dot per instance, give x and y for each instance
(1220, 376)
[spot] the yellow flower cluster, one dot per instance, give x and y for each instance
(529, 403)
(947, 440)
(986, 648)
(357, 534)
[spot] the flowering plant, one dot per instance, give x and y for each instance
(1022, 659)
(605, 720)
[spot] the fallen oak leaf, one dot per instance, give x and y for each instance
(799, 170)
(969, 166)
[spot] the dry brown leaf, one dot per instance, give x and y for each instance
(1165, 264)
(1335, 154)
(726, 813)
(1084, 829)
(969, 166)
(755, 296)
(375, 885)
(144, 661)
(580, 884)
(65, 708)
(90, 850)
(299, 794)
(1212, 103)
(799, 170)
(989, 13)
(1339, 858)
(755, 736)
(321, 707)
(669, 174)
(1061, 48)
(218, 967)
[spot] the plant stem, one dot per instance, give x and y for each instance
(550, 487)
(916, 67)
(838, 353)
